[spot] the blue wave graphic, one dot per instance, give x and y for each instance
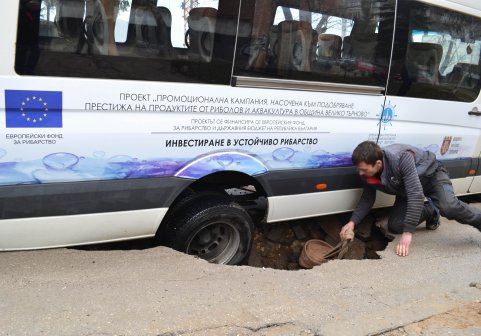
(68, 167)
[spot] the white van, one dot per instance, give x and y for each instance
(125, 119)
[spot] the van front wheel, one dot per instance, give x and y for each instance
(213, 228)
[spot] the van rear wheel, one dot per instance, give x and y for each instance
(212, 227)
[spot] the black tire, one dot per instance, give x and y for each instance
(187, 38)
(212, 227)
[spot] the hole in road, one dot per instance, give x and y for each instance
(279, 245)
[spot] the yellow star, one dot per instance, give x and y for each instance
(28, 119)
(23, 103)
(27, 99)
(40, 99)
(40, 119)
(34, 120)
(45, 114)
(23, 114)
(34, 97)
(44, 104)
(21, 109)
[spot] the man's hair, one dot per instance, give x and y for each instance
(368, 152)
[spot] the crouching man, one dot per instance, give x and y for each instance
(409, 173)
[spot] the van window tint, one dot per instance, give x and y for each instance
(164, 40)
(436, 54)
(342, 41)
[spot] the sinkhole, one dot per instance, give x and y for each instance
(279, 245)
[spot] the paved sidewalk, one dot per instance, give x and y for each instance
(462, 321)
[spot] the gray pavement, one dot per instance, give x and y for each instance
(158, 291)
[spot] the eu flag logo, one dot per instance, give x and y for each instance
(26, 109)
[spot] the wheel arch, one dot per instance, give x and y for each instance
(241, 187)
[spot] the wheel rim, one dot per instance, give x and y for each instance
(215, 242)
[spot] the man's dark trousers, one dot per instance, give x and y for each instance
(439, 189)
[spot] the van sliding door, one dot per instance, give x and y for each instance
(316, 70)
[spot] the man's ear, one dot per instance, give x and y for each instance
(378, 163)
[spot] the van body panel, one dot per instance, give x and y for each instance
(60, 231)
(114, 112)
(290, 207)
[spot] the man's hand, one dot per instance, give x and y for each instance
(402, 248)
(348, 227)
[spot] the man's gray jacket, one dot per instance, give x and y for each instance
(406, 170)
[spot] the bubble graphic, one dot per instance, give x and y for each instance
(60, 161)
(3, 152)
(99, 154)
(120, 159)
(283, 154)
(321, 152)
(225, 160)
(46, 176)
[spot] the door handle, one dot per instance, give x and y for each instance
(475, 112)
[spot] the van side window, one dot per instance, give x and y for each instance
(344, 41)
(162, 40)
(436, 54)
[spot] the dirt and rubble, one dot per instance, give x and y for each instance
(279, 245)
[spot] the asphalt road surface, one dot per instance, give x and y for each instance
(158, 291)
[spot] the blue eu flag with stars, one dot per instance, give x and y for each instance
(33, 109)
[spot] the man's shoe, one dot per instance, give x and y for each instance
(434, 222)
